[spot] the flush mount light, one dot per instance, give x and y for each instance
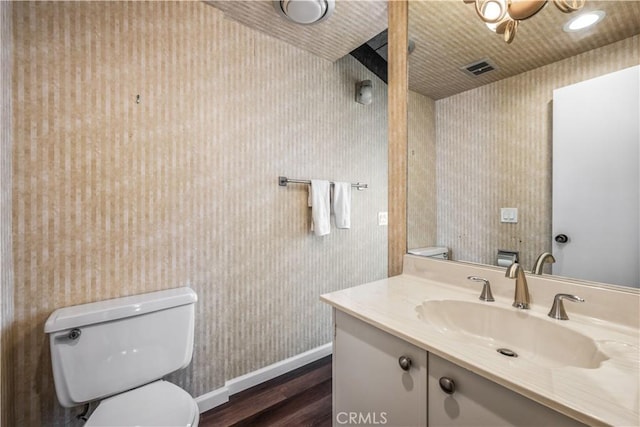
(583, 21)
(305, 11)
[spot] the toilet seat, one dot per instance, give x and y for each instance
(157, 404)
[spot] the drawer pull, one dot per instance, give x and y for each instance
(404, 362)
(447, 385)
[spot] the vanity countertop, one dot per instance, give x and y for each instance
(607, 395)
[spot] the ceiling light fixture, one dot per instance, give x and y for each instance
(583, 21)
(305, 11)
(503, 16)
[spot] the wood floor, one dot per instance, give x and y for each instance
(298, 398)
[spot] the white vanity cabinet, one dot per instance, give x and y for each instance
(369, 385)
(476, 401)
(371, 388)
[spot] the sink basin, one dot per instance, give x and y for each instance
(538, 340)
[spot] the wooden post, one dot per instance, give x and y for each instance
(398, 134)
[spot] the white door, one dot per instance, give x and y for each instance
(596, 183)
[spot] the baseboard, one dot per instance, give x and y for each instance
(212, 399)
(217, 397)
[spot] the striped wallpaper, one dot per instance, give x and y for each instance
(493, 150)
(421, 172)
(113, 197)
(6, 267)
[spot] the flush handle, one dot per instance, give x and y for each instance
(404, 362)
(562, 238)
(447, 385)
(74, 334)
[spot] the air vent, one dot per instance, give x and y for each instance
(479, 67)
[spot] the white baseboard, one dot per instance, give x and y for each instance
(212, 399)
(219, 396)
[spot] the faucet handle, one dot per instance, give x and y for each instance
(557, 309)
(485, 295)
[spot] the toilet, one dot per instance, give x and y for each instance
(116, 352)
(440, 252)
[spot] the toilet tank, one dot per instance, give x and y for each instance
(107, 347)
(431, 252)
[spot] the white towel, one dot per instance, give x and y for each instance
(342, 204)
(320, 207)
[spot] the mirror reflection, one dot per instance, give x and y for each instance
(479, 144)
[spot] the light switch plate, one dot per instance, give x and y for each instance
(383, 218)
(509, 215)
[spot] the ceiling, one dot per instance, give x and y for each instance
(447, 35)
(353, 23)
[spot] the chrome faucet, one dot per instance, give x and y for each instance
(544, 257)
(521, 297)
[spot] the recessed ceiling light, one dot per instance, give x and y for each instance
(583, 21)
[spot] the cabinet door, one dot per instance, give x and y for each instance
(369, 386)
(477, 401)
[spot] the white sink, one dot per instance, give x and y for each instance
(539, 340)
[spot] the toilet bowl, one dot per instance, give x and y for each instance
(117, 351)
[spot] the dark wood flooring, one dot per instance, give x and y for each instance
(298, 398)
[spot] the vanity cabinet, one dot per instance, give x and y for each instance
(370, 387)
(477, 401)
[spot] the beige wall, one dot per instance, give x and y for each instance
(113, 197)
(421, 172)
(6, 267)
(494, 150)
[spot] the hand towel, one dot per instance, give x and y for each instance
(342, 204)
(320, 207)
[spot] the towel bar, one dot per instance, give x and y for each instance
(283, 181)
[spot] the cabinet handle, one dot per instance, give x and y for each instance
(404, 362)
(447, 385)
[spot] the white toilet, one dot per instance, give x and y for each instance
(440, 252)
(117, 350)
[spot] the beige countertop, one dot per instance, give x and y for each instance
(607, 395)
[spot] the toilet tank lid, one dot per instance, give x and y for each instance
(103, 311)
(429, 251)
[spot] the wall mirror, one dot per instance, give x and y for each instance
(481, 141)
